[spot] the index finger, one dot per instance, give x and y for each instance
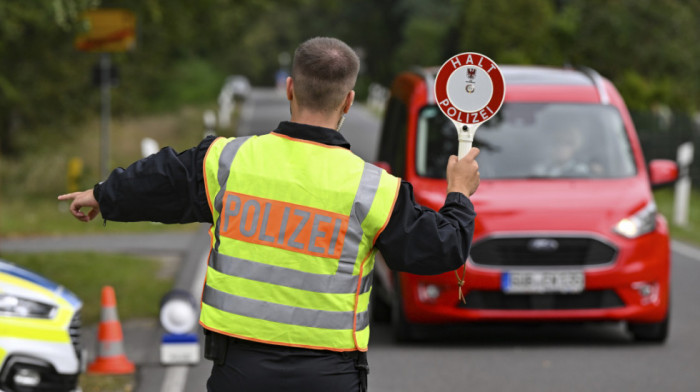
(473, 152)
(68, 196)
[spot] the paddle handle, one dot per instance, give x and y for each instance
(464, 147)
(465, 135)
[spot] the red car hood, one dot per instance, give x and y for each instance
(557, 205)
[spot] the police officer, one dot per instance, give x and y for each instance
(297, 219)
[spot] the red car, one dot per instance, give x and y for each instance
(566, 226)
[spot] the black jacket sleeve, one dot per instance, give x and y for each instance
(165, 187)
(168, 187)
(422, 241)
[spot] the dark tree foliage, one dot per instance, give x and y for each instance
(648, 48)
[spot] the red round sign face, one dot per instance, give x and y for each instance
(469, 88)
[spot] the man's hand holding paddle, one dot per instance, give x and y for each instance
(469, 90)
(463, 174)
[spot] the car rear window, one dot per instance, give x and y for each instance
(533, 140)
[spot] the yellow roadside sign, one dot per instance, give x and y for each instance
(109, 30)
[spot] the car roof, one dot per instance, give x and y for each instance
(537, 75)
(540, 75)
(540, 83)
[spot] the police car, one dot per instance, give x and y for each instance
(39, 333)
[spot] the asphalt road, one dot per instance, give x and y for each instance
(550, 357)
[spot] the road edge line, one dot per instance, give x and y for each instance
(175, 378)
(686, 250)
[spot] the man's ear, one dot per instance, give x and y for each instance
(290, 88)
(349, 99)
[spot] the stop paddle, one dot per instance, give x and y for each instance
(469, 90)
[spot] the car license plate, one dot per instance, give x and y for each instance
(528, 282)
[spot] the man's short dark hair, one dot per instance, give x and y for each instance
(324, 71)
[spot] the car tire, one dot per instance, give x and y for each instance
(403, 330)
(650, 332)
(379, 306)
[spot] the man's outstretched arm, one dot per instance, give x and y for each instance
(165, 187)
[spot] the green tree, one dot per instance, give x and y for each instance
(186, 49)
(509, 31)
(648, 48)
(183, 53)
(42, 81)
(426, 34)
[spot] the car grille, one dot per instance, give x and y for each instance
(496, 300)
(74, 332)
(542, 251)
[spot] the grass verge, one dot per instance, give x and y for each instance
(48, 216)
(107, 383)
(690, 233)
(32, 181)
(137, 281)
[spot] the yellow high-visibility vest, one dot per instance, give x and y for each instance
(292, 241)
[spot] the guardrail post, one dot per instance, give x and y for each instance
(682, 191)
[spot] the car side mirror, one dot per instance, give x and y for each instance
(384, 165)
(662, 172)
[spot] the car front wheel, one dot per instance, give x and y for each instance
(650, 332)
(402, 329)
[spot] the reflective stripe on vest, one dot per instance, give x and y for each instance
(282, 313)
(227, 155)
(281, 276)
(268, 276)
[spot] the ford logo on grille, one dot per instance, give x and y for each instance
(543, 245)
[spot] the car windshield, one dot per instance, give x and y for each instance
(533, 140)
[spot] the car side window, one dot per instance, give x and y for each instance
(393, 143)
(436, 141)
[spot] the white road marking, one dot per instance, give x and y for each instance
(198, 281)
(686, 250)
(175, 377)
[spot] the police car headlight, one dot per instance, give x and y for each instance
(642, 222)
(13, 306)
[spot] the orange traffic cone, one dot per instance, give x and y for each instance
(110, 351)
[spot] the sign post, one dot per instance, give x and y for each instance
(106, 112)
(178, 316)
(681, 198)
(469, 90)
(108, 30)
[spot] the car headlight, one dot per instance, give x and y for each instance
(642, 222)
(13, 306)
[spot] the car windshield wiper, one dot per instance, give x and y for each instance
(540, 177)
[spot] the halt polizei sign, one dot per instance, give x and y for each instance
(469, 90)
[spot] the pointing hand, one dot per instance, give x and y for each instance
(80, 200)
